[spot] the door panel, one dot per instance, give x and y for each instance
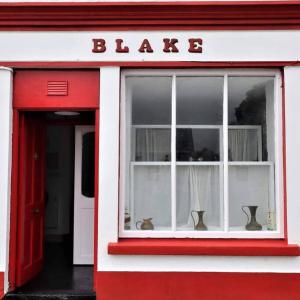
(30, 228)
(84, 195)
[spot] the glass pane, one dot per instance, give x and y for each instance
(199, 100)
(150, 99)
(88, 164)
(251, 153)
(151, 144)
(150, 203)
(251, 119)
(251, 194)
(198, 144)
(198, 198)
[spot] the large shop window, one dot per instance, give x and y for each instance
(201, 154)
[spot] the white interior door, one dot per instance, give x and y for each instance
(83, 253)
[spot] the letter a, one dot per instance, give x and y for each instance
(145, 47)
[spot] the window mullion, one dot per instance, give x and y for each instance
(225, 153)
(173, 154)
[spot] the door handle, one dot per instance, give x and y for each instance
(36, 211)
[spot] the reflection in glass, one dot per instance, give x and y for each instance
(197, 144)
(250, 110)
(152, 144)
(150, 99)
(88, 164)
(250, 187)
(198, 190)
(151, 196)
(251, 139)
(199, 100)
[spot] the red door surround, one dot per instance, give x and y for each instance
(56, 89)
(42, 90)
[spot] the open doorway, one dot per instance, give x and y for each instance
(56, 208)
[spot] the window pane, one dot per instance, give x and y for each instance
(151, 197)
(148, 155)
(152, 144)
(198, 198)
(251, 119)
(88, 164)
(198, 144)
(251, 192)
(199, 100)
(151, 100)
(251, 153)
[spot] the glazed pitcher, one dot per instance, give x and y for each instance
(146, 224)
(200, 225)
(252, 224)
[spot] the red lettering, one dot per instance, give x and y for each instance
(99, 46)
(120, 48)
(195, 45)
(170, 45)
(145, 47)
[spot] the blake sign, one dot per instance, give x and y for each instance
(168, 45)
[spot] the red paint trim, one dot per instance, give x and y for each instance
(196, 285)
(203, 247)
(1, 285)
(14, 202)
(211, 15)
(96, 203)
(31, 89)
(150, 64)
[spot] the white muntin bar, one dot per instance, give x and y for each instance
(173, 154)
(225, 153)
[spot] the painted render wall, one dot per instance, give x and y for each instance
(108, 198)
(220, 46)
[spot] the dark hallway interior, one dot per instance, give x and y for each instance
(60, 278)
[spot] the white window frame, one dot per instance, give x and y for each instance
(278, 159)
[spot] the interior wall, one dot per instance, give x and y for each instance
(59, 179)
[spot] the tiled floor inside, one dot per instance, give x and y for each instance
(59, 276)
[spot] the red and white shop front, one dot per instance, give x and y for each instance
(160, 138)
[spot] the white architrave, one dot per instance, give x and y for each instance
(5, 166)
(292, 111)
(108, 160)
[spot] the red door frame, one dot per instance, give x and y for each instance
(17, 109)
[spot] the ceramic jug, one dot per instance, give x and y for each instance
(145, 225)
(252, 224)
(200, 225)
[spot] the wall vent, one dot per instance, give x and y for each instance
(57, 88)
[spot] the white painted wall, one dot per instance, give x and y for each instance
(5, 163)
(292, 111)
(108, 197)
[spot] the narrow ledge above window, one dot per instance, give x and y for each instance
(203, 247)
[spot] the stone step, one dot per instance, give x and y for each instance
(50, 296)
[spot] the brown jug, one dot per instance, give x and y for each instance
(252, 224)
(200, 225)
(145, 225)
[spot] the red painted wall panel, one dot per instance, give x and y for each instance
(1, 285)
(46, 89)
(187, 286)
